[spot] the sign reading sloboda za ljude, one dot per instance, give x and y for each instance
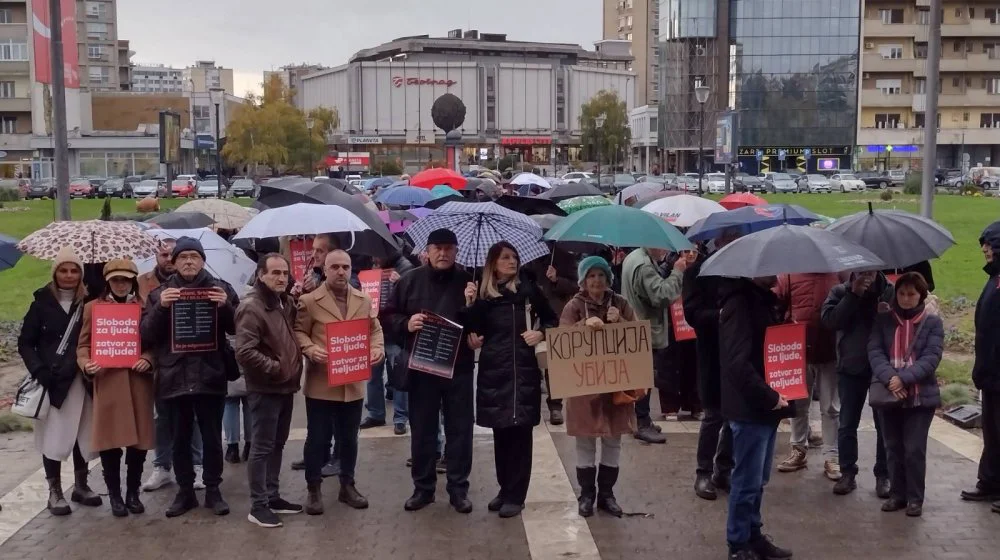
(584, 361)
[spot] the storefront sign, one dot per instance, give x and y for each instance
(751, 151)
(348, 159)
(785, 360)
(114, 334)
(204, 142)
(348, 352)
(584, 361)
(827, 164)
(364, 139)
(420, 137)
(892, 148)
(400, 81)
(525, 140)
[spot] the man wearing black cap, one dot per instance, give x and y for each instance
(438, 287)
(192, 384)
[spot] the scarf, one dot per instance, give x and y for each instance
(900, 354)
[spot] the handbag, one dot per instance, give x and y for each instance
(622, 398)
(32, 399)
(542, 348)
(879, 395)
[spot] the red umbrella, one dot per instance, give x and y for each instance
(430, 178)
(739, 200)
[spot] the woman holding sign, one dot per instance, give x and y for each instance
(605, 416)
(905, 349)
(109, 353)
(509, 386)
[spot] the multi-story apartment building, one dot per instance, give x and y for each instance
(291, 76)
(125, 54)
(205, 75)
(637, 21)
(894, 84)
(97, 42)
(15, 86)
(157, 78)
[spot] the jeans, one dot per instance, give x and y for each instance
(642, 416)
(272, 418)
(906, 431)
(205, 412)
(231, 420)
(853, 397)
(429, 397)
(325, 420)
(163, 456)
(715, 445)
(512, 457)
(821, 379)
(753, 453)
(375, 400)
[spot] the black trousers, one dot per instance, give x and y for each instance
(853, 399)
(53, 467)
(512, 455)
(676, 369)
(715, 445)
(111, 463)
(325, 420)
(270, 421)
(989, 464)
(553, 404)
(905, 431)
(205, 411)
(429, 397)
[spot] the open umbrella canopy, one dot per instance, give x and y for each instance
(292, 190)
(94, 241)
(531, 179)
(487, 185)
(577, 203)
(619, 226)
(750, 219)
(683, 210)
(530, 206)
(397, 220)
(181, 220)
(405, 196)
(647, 199)
(222, 259)
(570, 190)
(353, 232)
(430, 178)
(899, 238)
(227, 215)
(788, 249)
(547, 221)
(339, 184)
(439, 202)
(739, 200)
(441, 191)
(9, 255)
(637, 191)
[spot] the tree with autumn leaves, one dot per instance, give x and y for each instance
(269, 130)
(614, 137)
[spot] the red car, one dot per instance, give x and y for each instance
(81, 187)
(182, 188)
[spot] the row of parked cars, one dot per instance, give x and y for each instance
(139, 186)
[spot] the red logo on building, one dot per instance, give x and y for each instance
(399, 81)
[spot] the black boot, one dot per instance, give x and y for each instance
(214, 501)
(113, 480)
(57, 503)
(845, 485)
(704, 487)
(82, 494)
(185, 501)
(586, 477)
(133, 479)
(233, 453)
(246, 451)
(606, 479)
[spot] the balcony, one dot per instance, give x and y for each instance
(971, 98)
(974, 28)
(15, 142)
(945, 136)
(874, 62)
(875, 28)
(15, 105)
(875, 98)
(14, 68)
(16, 31)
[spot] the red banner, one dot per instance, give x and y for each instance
(348, 159)
(348, 352)
(682, 330)
(376, 284)
(114, 334)
(42, 39)
(301, 257)
(785, 360)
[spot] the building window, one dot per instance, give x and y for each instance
(923, 17)
(489, 84)
(97, 10)
(989, 120)
(886, 120)
(920, 50)
(95, 52)
(97, 31)
(993, 86)
(8, 125)
(201, 112)
(6, 90)
(958, 46)
(920, 86)
(628, 36)
(918, 120)
(628, 21)
(99, 75)
(956, 82)
(13, 52)
(652, 124)
(889, 16)
(491, 116)
(965, 117)
(993, 14)
(889, 87)
(560, 117)
(6, 16)
(972, 13)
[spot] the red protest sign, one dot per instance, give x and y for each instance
(891, 278)
(682, 330)
(785, 360)
(376, 284)
(348, 352)
(301, 257)
(114, 334)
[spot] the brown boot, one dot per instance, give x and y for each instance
(57, 503)
(796, 461)
(350, 496)
(82, 494)
(314, 503)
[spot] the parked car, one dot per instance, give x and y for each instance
(873, 179)
(80, 187)
(209, 189)
(687, 184)
(747, 183)
(622, 180)
(897, 177)
(148, 187)
(181, 188)
(116, 187)
(846, 182)
(958, 181)
(941, 176)
(986, 177)
(576, 176)
(715, 183)
(814, 183)
(41, 188)
(778, 183)
(96, 182)
(244, 187)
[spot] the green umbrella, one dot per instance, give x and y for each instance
(619, 226)
(576, 204)
(822, 222)
(442, 191)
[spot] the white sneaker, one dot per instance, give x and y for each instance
(199, 477)
(161, 477)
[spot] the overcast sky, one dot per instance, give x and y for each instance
(251, 36)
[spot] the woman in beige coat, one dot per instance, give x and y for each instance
(593, 417)
(123, 398)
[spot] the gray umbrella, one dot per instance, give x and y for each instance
(899, 238)
(182, 220)
(788, 249)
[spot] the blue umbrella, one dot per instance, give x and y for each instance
(750, 219)
(405, 196)
(9, 254)
(381, 182)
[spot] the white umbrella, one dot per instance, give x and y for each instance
(531, 179)
(222, 260)
(227, 215)
(683, 210)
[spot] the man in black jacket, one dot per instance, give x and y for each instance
(442, 288)
(753, 410)
(850, 310)
(192, 384)
(986, 371)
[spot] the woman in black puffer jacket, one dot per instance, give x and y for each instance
(509, 391)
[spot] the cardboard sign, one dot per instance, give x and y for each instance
(682, 330)
(300, 253)
(435, 348)
(785, 360)
(584, 361)
(348, 350)
(194, 321)
(114, 334)
(376, 284)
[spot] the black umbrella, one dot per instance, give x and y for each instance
(182, 220)
(488, 187)
(899, 238)
(439, 202)
(340, 185)
(530, 206)
(570, 190)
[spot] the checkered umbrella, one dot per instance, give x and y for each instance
(478, 226)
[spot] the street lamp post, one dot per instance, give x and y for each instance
(598, 125)
(701, 92)
(310, 123)
(218, 95)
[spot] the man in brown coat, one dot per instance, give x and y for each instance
(333, 410)
(268, 352)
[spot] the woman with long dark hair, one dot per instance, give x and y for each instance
(509, 318)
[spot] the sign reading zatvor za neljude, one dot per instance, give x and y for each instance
(584, 361)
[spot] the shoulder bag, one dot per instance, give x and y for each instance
(879, 395)
(32, 399)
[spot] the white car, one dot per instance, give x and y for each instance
(208, 189)
(845, 182)
(715, 183)
(576, 176)
(815, 183)
(149, 187)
